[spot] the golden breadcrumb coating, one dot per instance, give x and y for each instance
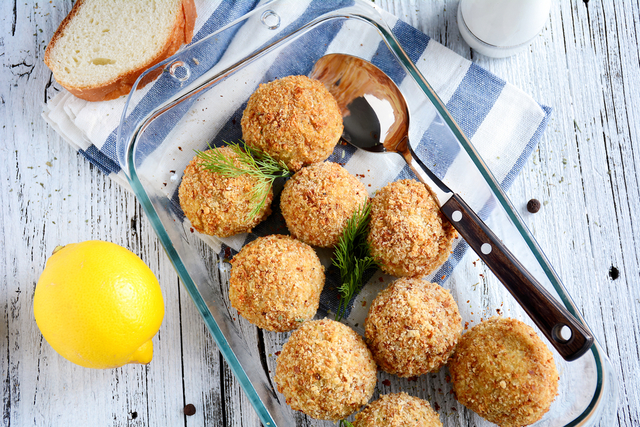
(503, 371)
(412, 327)
(218, 205)
(294, 119)
(398, 410)
(318, 201)
(275, 282)
(326, 370)
(408, 234)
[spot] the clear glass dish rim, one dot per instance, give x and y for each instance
(129, 139)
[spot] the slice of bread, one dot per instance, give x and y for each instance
(102, 47)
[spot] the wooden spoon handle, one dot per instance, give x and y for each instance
(569, 337)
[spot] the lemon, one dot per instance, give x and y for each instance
(98, 305)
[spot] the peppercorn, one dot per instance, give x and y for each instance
(533, 205)
(614, 273)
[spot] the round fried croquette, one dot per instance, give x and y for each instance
(318, 201)
(408, 235)
(398, 410)
(219, 205)
(412, 327)
(504, 372)
(325, 370)
(294, 119)
(275, 282)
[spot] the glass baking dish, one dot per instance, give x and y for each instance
(198, 100)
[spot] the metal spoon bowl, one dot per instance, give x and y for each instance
(376, 118)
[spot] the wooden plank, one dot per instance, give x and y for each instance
(575, 167)
(585, 64)
(56, 197)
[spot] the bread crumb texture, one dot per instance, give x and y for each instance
(412, 327)
(318, 201)
(326, 370)
(294, 119)
(276, 282)
(398, 410)
(219, 205)
(503, 371)
(408, 234)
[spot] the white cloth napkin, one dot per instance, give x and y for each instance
(502, 122)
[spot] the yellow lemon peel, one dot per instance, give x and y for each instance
(98, 305)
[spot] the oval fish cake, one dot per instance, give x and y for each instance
(326, 370)
(503, 371)
(412, 327)
(408, 234)
(218, 205)
(294, 119)
(275, 282)
(318, 201)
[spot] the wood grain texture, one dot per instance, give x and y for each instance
(585, 65)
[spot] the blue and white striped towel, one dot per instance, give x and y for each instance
(503, 123)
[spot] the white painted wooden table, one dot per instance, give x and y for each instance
(585, 65)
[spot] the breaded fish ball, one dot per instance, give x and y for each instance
(412, 327)
(503, 371)
(216, 204)
(408, 235)
(326, 370)
(318, 201)
(294, 119)
(275, 282)
(398, 410)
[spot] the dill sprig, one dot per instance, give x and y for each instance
(352, 257)
(252, 162)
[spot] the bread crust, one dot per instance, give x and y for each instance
(181, 33)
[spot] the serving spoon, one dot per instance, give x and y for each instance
(367, 97)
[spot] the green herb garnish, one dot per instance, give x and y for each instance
(252, 162)
(352, 257)
(345, 423)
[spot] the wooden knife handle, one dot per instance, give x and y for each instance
(552, 318)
